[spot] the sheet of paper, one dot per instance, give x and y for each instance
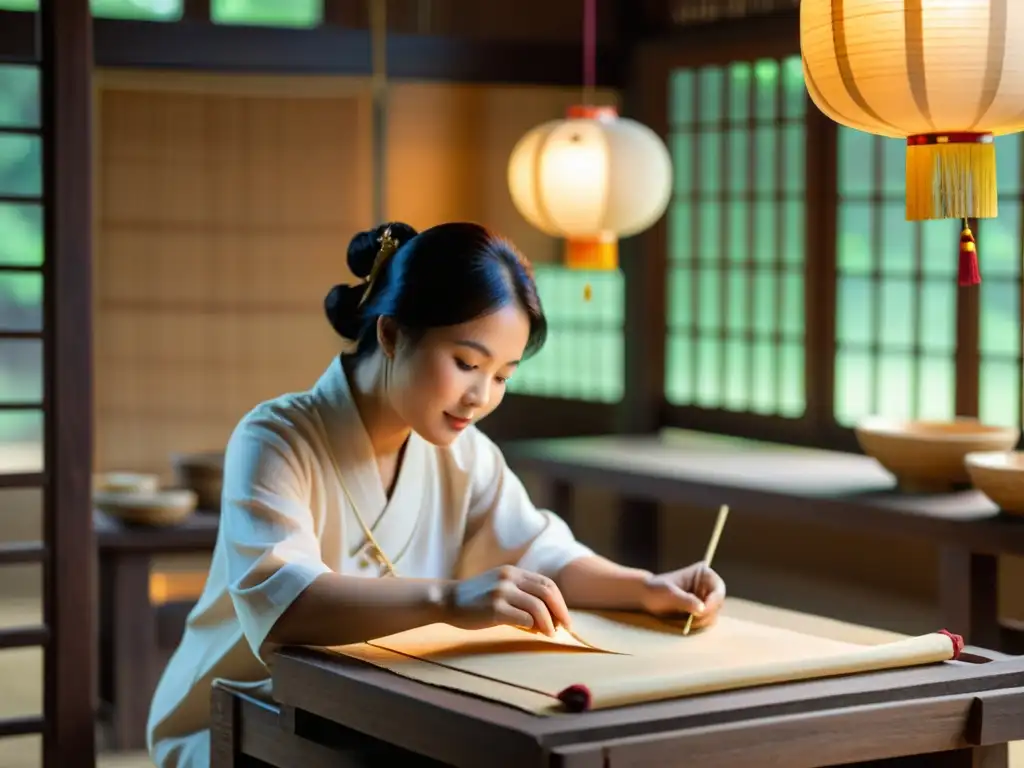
(627, 658)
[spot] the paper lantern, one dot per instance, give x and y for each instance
(940, 74)
(591, 178)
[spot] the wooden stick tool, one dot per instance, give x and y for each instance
(716, 534)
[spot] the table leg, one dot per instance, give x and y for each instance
(995, 756)
(968, 595)
(130, 648)
(224, 752)
(637, 530)
(1011, 637)
(225, 733)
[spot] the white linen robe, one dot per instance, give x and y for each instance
(285, 520)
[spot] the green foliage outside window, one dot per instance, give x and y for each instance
(150, 10)
(999, 253)
(583, 357)
(737, 257)
(21, 244)
(736, 238)
(895, 293)
(279, 13)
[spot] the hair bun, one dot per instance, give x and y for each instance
(363, 248)
(341, 305)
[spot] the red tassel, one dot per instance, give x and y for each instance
(970, 274)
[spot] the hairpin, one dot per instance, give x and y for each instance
(388, 245)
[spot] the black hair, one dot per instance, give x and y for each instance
(446, 275)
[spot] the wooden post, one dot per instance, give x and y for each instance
(65, 37)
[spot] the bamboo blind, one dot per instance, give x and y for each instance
(221, 222)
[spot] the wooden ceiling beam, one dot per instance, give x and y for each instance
(204, 46)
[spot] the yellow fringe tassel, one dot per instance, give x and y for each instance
(951, 181)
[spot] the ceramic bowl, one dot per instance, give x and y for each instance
(165, 507)
(928, 456)
(1000, 476)
(125, 481)
(204, 474)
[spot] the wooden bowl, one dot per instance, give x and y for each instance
(124, 481)
(204, 474)
(928, 456)
(160, 508)
(1000, 476)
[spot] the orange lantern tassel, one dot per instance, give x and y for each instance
(970, 274)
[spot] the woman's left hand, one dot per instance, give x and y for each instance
(696, 589)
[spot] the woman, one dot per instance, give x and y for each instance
(379, 471)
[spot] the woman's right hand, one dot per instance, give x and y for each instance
(508, 595)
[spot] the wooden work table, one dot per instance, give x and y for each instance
(816, 487)
(131, 628)
(332, 710)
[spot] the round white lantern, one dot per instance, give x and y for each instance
(591, 178)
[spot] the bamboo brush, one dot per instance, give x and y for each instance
(716, 534)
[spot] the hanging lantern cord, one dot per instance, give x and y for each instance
(589, 50)
(589, 78)
(379, 85)
(969, 272)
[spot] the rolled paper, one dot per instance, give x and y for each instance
(615, 659)
(671, 684)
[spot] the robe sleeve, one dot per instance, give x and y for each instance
(504, 527)
(267, 530)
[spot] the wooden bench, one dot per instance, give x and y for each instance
(249, 733)
(141, 616)
(785, 483)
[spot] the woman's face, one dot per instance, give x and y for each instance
(456, 375)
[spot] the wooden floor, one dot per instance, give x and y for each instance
(21, 670)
